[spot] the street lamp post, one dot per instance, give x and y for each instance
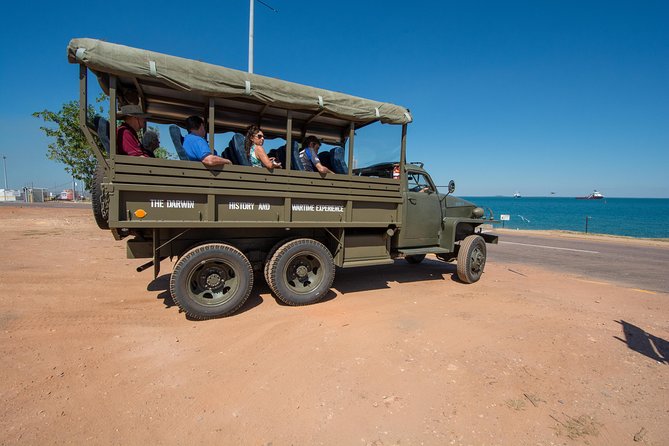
(251, 20)
(4, 159)
(251, 2)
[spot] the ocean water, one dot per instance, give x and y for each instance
(632, 217)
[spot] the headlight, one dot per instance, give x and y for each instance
(478, 212)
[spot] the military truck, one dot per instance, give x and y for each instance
(226, 223)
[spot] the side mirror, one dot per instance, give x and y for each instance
(451, 187)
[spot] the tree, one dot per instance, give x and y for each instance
(70, 146)
(162, 152)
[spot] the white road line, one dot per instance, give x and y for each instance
(551, 247)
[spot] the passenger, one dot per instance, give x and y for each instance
(150, 142)
(396, 172)
(309, 155)
(197, 148)
(255, 152)
(127, 141)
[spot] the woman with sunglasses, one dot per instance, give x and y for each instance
(255, 150)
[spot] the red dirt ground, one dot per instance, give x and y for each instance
(396, 355)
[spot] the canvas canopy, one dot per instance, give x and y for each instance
(207, 80)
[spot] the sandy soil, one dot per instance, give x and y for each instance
(396, 355)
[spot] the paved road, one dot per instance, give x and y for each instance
(638, 266)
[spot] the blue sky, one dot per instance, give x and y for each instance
(530, 96)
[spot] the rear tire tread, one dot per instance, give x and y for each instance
(183, 263)
(266, 267)
(274, 273)
(99, 198)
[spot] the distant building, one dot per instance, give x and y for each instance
(8, 195)
(35, 195)
(66, 195)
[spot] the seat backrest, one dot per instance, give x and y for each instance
(237, 151)
(295, 161)
(338, 160)
(227, 154)
(326, 159)
(102, 127)
(280, 154)
(178, 141)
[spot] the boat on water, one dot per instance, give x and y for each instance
(595, 195)
(516, 195)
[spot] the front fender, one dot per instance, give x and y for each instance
(450, 233)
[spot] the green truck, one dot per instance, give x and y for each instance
(225, 224)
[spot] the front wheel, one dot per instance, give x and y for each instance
(301, 271)
(471, 258)
(211, 280)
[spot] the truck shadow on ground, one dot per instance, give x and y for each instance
(350, 280)
(645, 343)
(353, 280)
(162, 285)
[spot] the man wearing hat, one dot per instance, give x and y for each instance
(127, 139)
(309, 155)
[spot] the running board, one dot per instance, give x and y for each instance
(426, 250)
(354, 263)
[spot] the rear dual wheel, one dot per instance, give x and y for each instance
(271, 254)
(300, 271)
(211, 280)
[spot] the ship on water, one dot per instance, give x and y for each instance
(595, 195)
(516, 195)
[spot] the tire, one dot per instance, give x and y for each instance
(301, 272)
(100, 198)
(414, 259)
(211, 280)
(471, 258)
(271, 254)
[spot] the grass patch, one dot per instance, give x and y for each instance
(577, 428)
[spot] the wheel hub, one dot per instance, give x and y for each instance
(477, 260)
(212, 279)
(301, 271)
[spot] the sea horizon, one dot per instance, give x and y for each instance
(557, 196)
(622, 216)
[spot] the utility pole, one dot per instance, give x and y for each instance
(251, 4)
(251, 20)
(4, 159)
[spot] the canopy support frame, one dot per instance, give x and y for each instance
(83, 115)
(112, 117)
